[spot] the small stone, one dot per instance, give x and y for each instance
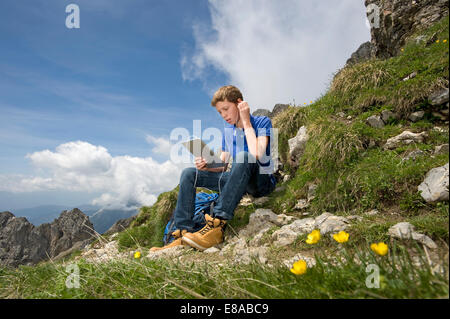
(261, 200)
(375, 121)
(405, 138)
(416, 116)
(353, 217)
(413, 155)
(311, 192)
(405, 230)
(372, 212)
(386, 115)
(441, 149)
(211, 250)
(301, 204)
(439, 97)
(412, 75)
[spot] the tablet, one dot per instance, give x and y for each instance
(199, 149)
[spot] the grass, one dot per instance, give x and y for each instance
(330, 277)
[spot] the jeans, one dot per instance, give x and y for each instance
(244, 177)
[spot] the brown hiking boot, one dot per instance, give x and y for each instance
(176, 242)
(208, 236)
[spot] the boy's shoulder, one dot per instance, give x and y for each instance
(261, 121)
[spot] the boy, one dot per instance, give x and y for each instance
(247, 138)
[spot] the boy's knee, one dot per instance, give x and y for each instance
(188, 173)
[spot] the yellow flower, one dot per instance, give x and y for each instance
(341, 237)
(137, 255)
(313, 237)
(437, 41)
(299, 267)
(380, 248)
(402, 49)
(445, 41)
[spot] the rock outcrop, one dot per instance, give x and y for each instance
(393, 21)
(22, 243)
(278, 108)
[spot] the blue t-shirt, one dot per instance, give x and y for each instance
(234, 141)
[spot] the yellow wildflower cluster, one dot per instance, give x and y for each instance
(300, 266)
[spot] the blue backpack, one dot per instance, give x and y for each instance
(203, 205)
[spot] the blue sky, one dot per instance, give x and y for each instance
(85, 114)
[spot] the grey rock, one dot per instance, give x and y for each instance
(411, 76)
(398, 20)
(372, 212)
(405, 137)
(211, 250)
(375, 121)
(243, 254)
(297, 145)
(439, 97)
(261, 112)
(301, 204)
(413, 155)
(434, 188)
(287, 234)
(329, 223)
(441, 149)
(120, 225)
(310, 262)
(311, 192)
(21, 243)
(416, 116)
(354, 217)
(171, 252)
(277, 109)
(261, 200)
(386, 115)
(363, 53)
(405, 230)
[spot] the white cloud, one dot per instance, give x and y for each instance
(276, 51)
(123, 181)
(162, 144)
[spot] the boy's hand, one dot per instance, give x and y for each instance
(200, 163)
(244, 111)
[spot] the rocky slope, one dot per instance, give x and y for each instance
(22, 243)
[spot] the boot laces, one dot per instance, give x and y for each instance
(208, 227)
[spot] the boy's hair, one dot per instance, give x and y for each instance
(229, 93)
